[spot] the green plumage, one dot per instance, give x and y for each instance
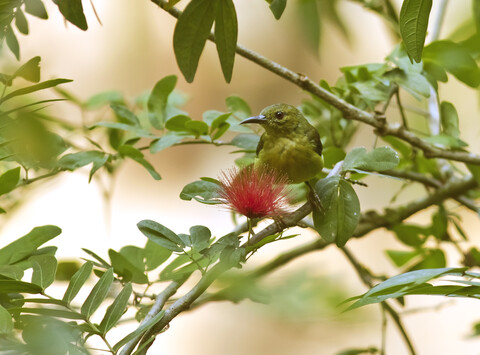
(290, 143)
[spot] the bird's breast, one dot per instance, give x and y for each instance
(295, 157)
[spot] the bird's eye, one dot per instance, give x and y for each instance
(279, 114)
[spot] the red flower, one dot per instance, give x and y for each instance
(255, 192)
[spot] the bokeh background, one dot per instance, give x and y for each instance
(130, 52)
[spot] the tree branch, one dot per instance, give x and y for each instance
(160, 301)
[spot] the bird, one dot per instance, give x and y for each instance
(290, 144)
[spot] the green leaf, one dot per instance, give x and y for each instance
(170, 272)
(29, 89)
(77, 281)
(9, 180)
(221, 130)
(49, 312)
(12, 42)
(155, 255)
(116, 309)
(13, 286)
(233, 257)
(445, 141)
(238, 107)
(72, 10)
(432, 258)
(77, 160)
(145, 326)
(161, 235)
(28, 244)
(410, 80)
(341, 217)
(401, 257)
(6, 322)
(198, 128)
(29, 71)
(449, 118)
(135, 255)
(125, 114)
(247, 142)
(310, 21)
(476, 14)
(44, 270)
(177, 123)
(399, 285)
(414, 16)
(36, 8)
(379, 159)
(123, 267)
(157, 101)
(22, 301)
(202, 191)
(200, 237)
(135, 154)
(21, 21)
(332, 155)
(11, 271)
(164, 142)
(455, 59)
(191, 33)
(277, 7)
(102, 261)
(215, 118)
(98, 294)
(226, 33)
(410, 234)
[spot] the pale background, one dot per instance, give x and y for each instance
(130, 53)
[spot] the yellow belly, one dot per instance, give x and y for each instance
(299, 161)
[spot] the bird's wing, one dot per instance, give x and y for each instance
(260, 144)
(314, 138)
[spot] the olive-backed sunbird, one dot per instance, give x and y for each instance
(289, 144)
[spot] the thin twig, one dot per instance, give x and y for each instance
(431, 182)
(366, 277)
(401, 110)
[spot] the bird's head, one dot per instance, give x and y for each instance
(278, 118)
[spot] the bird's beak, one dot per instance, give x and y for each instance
(255, 119)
